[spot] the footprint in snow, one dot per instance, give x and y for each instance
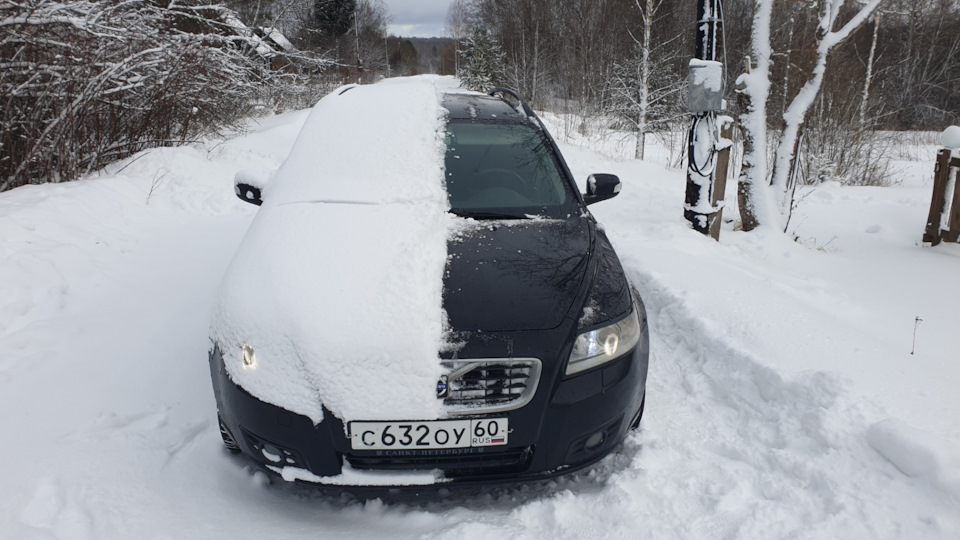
(187, 436)
(141, 423)
(53, 510)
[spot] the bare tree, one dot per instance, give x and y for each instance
(827, 39)
(370, 26)
(755, 89)
(85, 83)
(462, 18)
(919, 65)
(644, 83)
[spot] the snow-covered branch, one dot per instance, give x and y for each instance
(78, 78)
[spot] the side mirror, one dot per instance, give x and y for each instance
(248, 193)
(248, 185)
(601, 187)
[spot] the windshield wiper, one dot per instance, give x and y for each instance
(486, 215)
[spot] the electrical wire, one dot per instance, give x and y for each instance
(723, 76)
(707, 167)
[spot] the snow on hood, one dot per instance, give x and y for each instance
(338, 284)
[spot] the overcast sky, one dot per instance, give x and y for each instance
(417, 18)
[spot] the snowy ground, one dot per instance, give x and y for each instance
(784, 401)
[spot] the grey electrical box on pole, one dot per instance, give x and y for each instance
(705, 86)
(702, 205)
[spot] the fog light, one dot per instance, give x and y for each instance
(271, 452)
(595, 441)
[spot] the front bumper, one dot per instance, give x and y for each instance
(548, 435)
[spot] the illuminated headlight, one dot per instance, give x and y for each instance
(249, 357)
(602, 345)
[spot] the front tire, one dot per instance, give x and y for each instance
(636, 421)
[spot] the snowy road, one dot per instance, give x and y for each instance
(781, 403)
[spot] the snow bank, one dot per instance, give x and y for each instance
(338, 284)
(915, 452)
(355, 477)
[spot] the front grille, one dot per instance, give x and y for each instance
(451, 463)
(489, 385)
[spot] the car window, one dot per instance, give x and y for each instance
(504, 168)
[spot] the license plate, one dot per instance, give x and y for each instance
(428, 435)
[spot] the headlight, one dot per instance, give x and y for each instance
(249, 357)
(602, 345)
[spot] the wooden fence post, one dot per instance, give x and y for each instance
(953, 169)
(940, 172)
(945, 190)
(720, 182)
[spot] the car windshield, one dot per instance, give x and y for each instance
(501, 170)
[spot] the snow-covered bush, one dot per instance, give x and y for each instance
(85, 83)
(835, 146)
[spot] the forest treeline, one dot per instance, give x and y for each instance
(587, 51)
(84, 83)
(627, 59)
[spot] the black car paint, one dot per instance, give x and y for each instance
(512, 289)
(523, 275)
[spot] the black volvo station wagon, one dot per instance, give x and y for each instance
(549, 370)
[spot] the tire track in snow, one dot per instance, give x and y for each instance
(731, 449)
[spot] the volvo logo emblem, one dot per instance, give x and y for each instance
(442, 388)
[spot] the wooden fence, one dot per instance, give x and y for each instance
(943, 222)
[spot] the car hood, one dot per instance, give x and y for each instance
(339, 303)
(515, 275)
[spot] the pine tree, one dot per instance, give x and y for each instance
(481, 62)
(334, 17)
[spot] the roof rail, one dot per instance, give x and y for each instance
(523, 104)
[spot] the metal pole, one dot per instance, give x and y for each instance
(356, 30)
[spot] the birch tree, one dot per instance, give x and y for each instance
(755, 88)
(644, 80)
(528, 47)
(868, 79)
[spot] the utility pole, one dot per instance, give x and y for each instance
(386, 53)
(703, 200)
(356, 31)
